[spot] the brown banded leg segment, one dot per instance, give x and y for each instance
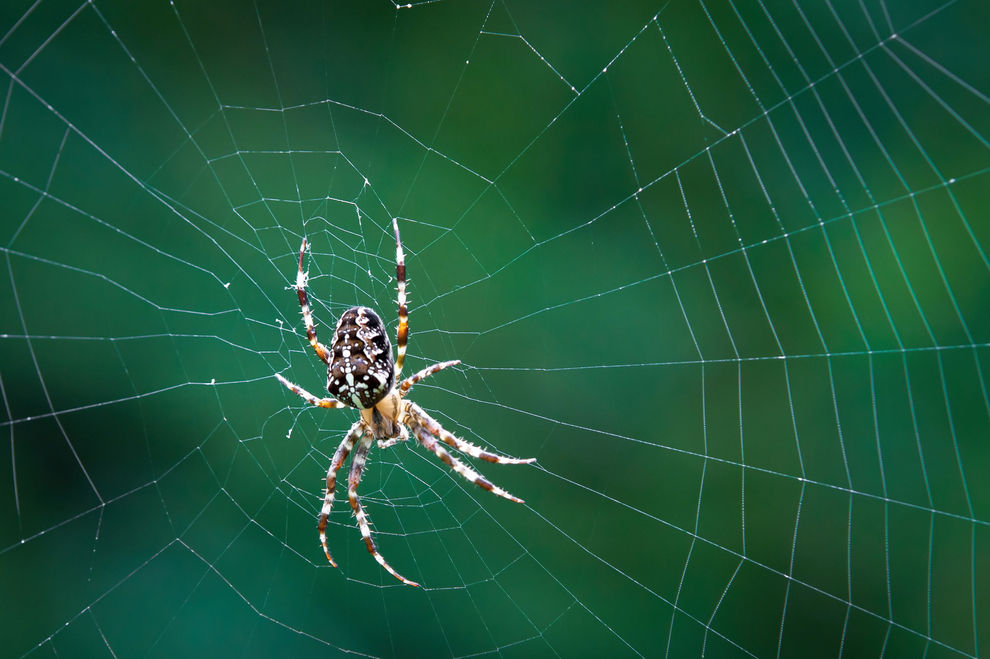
(420, 417)
(427, 440)
(301, 277)
(429, 370)
(328, 403)
(400, 276)
(357, 467)
(338, 460)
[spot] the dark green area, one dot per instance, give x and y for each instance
(720, 266)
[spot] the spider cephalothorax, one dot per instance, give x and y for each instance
(361, 374)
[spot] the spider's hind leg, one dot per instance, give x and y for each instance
(402, 334)
(301, 278)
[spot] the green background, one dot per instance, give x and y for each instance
(719, 266)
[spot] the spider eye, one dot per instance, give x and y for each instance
(361, 370)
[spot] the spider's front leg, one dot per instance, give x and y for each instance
(338, 461)
(430, 442)
(357, 468)
(418, 415)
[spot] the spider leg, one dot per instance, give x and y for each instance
(402, 436)
(402, 335)
(329, 403)
(429, 370)
(301, 277)
(433, 426)
(357, 467)
(338, 460)
(427, 440)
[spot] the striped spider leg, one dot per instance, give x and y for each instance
(404, 389)
(361, 374)
(301, 280)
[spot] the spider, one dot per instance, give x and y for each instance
(361, 374)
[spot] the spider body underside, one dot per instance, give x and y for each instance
(362, 374)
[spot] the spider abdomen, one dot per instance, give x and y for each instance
(361, 370)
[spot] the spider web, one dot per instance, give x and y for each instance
(720, 266)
